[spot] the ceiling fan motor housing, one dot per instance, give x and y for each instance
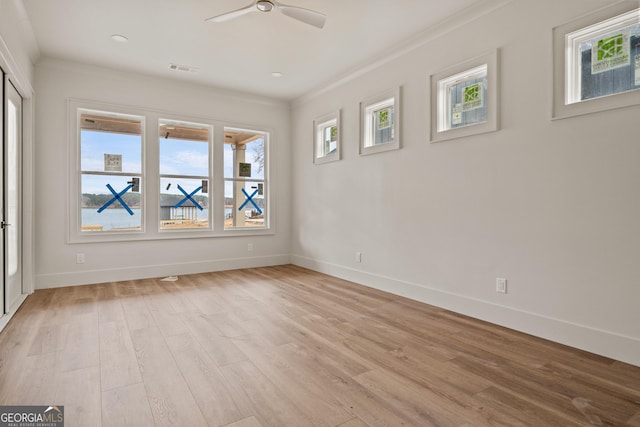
(264, 5)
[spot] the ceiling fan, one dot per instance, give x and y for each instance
(307, 16)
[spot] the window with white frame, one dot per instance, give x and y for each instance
(111, 172)
(115, 195)
(380, 130)
(597, 61)
(327, 138)
(184, 175)
(464, 99)
(604, 59)
(245, 178)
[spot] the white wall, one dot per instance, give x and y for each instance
(18, 39)
(553, 206)
(56, 81)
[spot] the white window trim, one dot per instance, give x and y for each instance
(370, 105)
(209, 178)
(266, 180)
(565, 73)
(151, 182)
(439, 98)
(319, 124)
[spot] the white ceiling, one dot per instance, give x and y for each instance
(240, 54)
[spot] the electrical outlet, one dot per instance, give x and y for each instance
(79, 258)
(501, 285)
(358, 257)
(250, 247)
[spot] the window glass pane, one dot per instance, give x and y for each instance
(244, 204)
(110, 209)
(329, 139)
(383, 125)
(610, 63)
(184, 150)
(110, 144)
(467, 100)
(184, 204)
(255, 156)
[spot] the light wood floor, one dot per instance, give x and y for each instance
(284, 346)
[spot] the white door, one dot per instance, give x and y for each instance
(2, 220)
(12, 196)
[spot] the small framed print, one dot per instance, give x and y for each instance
(464, 99)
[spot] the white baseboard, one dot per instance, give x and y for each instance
(58, 280)
(605, 343)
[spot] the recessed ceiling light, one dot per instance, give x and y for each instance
(119, 38)
(277, 74)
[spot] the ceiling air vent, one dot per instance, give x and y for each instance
(177, 67)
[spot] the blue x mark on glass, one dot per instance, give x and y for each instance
(118, 197)
(250, 199)
(188, 197)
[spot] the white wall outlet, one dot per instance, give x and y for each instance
(250, 247)
(79, 258)
(358, 256)
(501, 285)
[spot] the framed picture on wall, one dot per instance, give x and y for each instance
(464, 99)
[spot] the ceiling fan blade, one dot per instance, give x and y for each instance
(231, 15)
(307, 16)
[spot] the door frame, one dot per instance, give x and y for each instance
(22, 83)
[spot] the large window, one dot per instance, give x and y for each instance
(110, 172)
(245, 183)
(184, 175)
(145, 175)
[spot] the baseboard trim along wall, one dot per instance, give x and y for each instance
(609, 344)
(58, 280)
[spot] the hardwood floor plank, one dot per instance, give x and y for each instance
(126, 406)
(33, 383)
(270, 406)
(220, 348)
(50, 338)
(168, 393)
(79, 392)
(355, 422)
(110, 307)
(118, 362)
(205, 380)
(137, 314)
(525, 412)
(82, 348)
(297, 386)
(634, 421)
(247, 422)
